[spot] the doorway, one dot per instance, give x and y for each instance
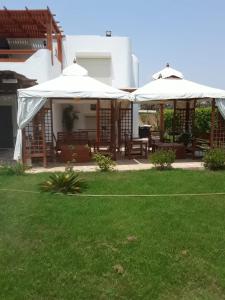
(6, 127)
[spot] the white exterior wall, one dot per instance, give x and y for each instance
(82, 109)
(124, 69)
(38, 66)
(118, 49)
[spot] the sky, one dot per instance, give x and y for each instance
(188, 34)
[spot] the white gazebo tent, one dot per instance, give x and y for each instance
(169, 85)
(74, 83)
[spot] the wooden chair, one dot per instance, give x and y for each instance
(153, 139)
(136, 148)
(199, 145)
(104, 147)
(73, 138)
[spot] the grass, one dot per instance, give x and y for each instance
(62, 247)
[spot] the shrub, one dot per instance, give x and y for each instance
(168, 120)
(202, 120)
(185, 138)
(214, 159)
(105, 163)
(163, 159)
(67, 182)
(17, 169)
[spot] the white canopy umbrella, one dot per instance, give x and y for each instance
(167, 73)
(169, 84)
(73, 83)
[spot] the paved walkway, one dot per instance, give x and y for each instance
(123, 165)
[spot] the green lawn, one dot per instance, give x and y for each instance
(66, 247)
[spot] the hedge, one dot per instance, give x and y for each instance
(202, 120)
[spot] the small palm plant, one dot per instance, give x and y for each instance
(67, 182)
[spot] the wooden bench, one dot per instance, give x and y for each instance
(73, 146)
(72, 138)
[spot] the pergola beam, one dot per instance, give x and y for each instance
(161, 105)
(26, 23)
(14, 20)
(212, 123)
(38, 23)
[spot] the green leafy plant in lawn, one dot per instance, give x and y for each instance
(17, 169)
(163, 159)
(214, 159)
(68, 182)
(105, 163)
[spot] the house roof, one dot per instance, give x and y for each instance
(27, 23)
(11, 81)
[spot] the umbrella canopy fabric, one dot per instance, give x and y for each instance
(169, 84)
(73, 83)
(167, 73)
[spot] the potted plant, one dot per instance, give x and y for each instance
(69, 116)
(185, 138)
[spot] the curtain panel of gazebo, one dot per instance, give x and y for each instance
(220, 103)
(27, 109)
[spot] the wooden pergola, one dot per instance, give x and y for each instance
(170, 89)
(184, 122)
(113, 124)
(28, 24)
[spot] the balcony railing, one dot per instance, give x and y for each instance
(15, 55)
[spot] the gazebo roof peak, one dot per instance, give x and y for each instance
(168, 72)
(75, 70)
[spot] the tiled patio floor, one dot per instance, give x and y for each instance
(6, 156)
(122, 165)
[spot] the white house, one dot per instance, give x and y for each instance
(108, 59)
(33, 49)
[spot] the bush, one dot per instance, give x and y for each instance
(168, 120)
(202, 120)
(105, 163)
(185, 138)
(214, 159)
(67, 182)
(163, 159)
(17, 169)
